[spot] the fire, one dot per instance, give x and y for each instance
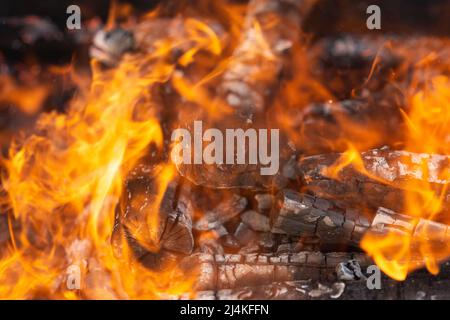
(64, 181)
(29, 99)
(427, 121)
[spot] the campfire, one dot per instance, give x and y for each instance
(224, 150)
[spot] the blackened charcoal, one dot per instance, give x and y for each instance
(221, 231)
(289, 290)
(210, 246)
(417, 287)
(250, 248)
(285, 248)
(328, 126)
(239, 176)
(177, 233)
(417, 230)
(266, 241)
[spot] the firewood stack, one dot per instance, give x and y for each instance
(297, 234)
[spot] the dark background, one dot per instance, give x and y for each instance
(329, 16)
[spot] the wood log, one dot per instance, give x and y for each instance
(223, 212)
(307, 216)
(329, 126)
(271, 29)
(388, 176)
(419, 286)
(348, 64)
(288, 290)
(172, 222)
(214, 272)
(417, 232)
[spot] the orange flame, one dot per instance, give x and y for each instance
(64, 181)
(398, 253)
(428, 131)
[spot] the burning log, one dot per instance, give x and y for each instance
(170, 228)
(109, 45)
(436, 235)
(223, 212)
(271, 28)
(386, 220)
(289, 290)
(354, 63)
(231, 270)
(327, 127)
(307, 216)
(384, 181)
(358, 64)
(418, 286)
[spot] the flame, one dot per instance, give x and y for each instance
(64, 181)
(427, 122)
(29, 99)
(428, 131)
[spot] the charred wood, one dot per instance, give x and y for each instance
(289, 290)
(349, 62)
(307, 216)
(256, 64)
(271, 29)
(151, 228)
(418, 286)
(226, 210)
(232, 270)
(327, 127)
(388, 174)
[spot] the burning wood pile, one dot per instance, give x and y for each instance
(352, 180)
